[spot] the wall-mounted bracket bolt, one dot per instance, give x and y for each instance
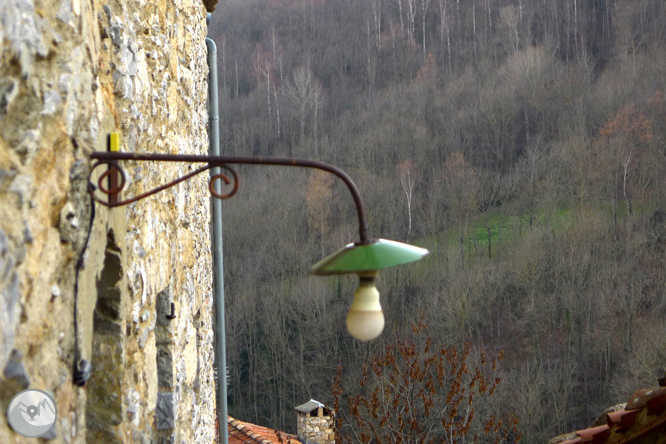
(83, 372)
(172, 315)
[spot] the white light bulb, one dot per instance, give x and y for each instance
(365, 320)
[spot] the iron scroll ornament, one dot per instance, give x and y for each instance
(112, 165)
(111, 159)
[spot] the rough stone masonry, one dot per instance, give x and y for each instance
(72, 72)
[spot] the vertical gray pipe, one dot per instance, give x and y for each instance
(218, 268)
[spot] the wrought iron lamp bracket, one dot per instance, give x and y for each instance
(111, 160)
(113, 166)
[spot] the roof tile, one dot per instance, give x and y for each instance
(624, 419)
(246, 433)
(642, 421)
(641, 398)
(594, 435)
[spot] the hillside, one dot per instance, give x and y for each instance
(532, 137)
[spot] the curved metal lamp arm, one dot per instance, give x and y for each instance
(111, 158)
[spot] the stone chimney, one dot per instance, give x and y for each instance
(315, 423)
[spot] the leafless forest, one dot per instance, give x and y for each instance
(521, 141)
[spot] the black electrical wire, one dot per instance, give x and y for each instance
(82, 368)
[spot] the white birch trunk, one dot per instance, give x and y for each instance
(377, 17)
(236, 65)
(402, 23)
(411, 16)
(425, 4)
(627, 199)
(277, 111)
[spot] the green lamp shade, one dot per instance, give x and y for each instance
(355, 258)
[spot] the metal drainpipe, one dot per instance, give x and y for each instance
(218, 268)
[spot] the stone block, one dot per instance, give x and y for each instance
(165, 367)
(165, 411)
(8, 90)
(16, 371)
(10, 293)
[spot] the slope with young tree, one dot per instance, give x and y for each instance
(536, 127)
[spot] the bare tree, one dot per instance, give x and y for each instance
(414, 392)
(509, 19)
(445, 29)
(407, 172)
(425, 4)
(263, 67)
(305, 94)
(411, 18)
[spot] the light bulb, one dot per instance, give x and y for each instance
(365, 320)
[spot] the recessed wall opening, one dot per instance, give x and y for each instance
(164, 332)
(104, 400)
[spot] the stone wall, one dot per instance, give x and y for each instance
(71, 72)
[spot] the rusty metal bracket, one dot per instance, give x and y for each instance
(171, 316)
(110, 159)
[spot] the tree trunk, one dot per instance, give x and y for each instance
(277, 112)
(402, 23)
(627, 199)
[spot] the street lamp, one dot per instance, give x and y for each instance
(364, 258)
(365, 320)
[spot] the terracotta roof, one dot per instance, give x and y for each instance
(641, 421)
(245, 433)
